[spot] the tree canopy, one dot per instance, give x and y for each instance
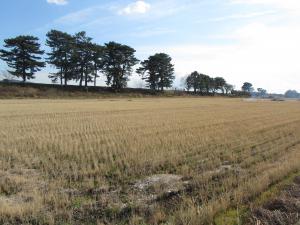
(76, 58)
(205, 84)
(220, 83)
(247, 87)
(83, 58)
(23, 56)
(292, 94)
(157, 71)
(193, 81)
(61, 45)
(261, 92)
(118, 61)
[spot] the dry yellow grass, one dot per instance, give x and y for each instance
(61, 160)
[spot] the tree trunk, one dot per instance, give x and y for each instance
(95, 75)
(81, 77)
(85, 79)
(95, 79)
(23, 70)
(24, 75)
(61, 76)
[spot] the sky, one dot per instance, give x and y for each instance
(241, 40)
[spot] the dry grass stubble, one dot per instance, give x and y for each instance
(77, 161)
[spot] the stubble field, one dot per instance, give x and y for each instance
(141, 161)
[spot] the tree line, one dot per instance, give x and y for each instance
(205, 85)
(77, 58)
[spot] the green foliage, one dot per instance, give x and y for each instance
(194, 81)
(83, 58)
(75, 57)
(230, 217)
(24, 56)
(118, 61)
(61, 45)
(77, 203)
(247, 87)
(97, 60)
(206, 84)
(219, 83)
(157, 71)
(292, 94)
(261, 92)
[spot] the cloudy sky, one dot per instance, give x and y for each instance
(242, 40)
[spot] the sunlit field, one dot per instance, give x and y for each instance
(141, 161)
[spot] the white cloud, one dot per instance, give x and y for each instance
(58, 2)
(149, 32)
(138, 7)
(279, 3)
(293, 6)
(264, 50)
(266, 56)
(76, 17)
(244, 15)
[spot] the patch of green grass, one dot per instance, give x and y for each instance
(275, 189)
(236, 217)
(231, 217)
(78, 202)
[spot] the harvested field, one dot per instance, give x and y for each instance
(282, 210)
(140, 161)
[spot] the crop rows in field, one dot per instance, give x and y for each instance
(226, 150)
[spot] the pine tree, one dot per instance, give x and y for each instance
(97, 60)
(82, 58)
(24, 56)
(194, 81)
(220, 83)
(118, 61)
(206, 82)
(61, 45)
(247, 87)
(157, 71)
(149, 73)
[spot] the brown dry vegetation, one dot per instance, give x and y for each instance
(284, 209)
(85, 161)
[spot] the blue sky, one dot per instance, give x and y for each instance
(242, 40)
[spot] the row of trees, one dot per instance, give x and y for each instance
(77, 58)
(204, 84)
(292, 94)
